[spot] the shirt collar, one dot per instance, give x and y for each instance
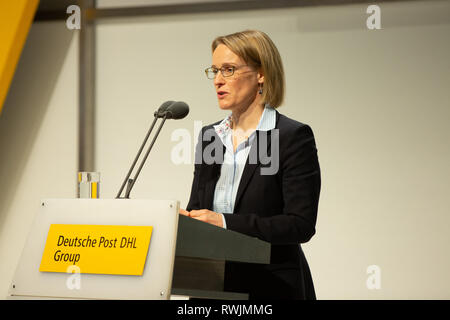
(266, 123)
(268, 119)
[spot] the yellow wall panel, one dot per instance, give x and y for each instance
(16, 17)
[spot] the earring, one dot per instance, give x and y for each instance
(260, 88)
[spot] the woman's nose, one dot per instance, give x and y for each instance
(219, 78)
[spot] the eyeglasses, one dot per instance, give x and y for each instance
(226, 71)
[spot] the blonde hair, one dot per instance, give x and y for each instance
(258, 50)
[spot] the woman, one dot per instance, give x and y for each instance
(274, 198)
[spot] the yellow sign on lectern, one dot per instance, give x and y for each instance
(98, 249)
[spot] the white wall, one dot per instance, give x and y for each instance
(377, 101)
(38, 136)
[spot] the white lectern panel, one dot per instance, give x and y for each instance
(156, 280)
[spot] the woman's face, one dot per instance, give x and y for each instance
(239, 91)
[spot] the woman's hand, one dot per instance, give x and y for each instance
(204, 215)
(184, 212)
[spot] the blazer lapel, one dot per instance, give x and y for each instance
(250, 168)
(210, 176)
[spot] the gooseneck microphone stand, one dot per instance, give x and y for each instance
(131, 182)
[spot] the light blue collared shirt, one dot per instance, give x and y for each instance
(234, 162)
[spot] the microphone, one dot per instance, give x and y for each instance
(168, 110)
(177, 110)
(162, 109)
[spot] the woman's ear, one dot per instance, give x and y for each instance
(260, 76)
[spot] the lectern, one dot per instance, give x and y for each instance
(201, 252)
(127, 249)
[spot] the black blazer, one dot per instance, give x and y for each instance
(279, 208)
